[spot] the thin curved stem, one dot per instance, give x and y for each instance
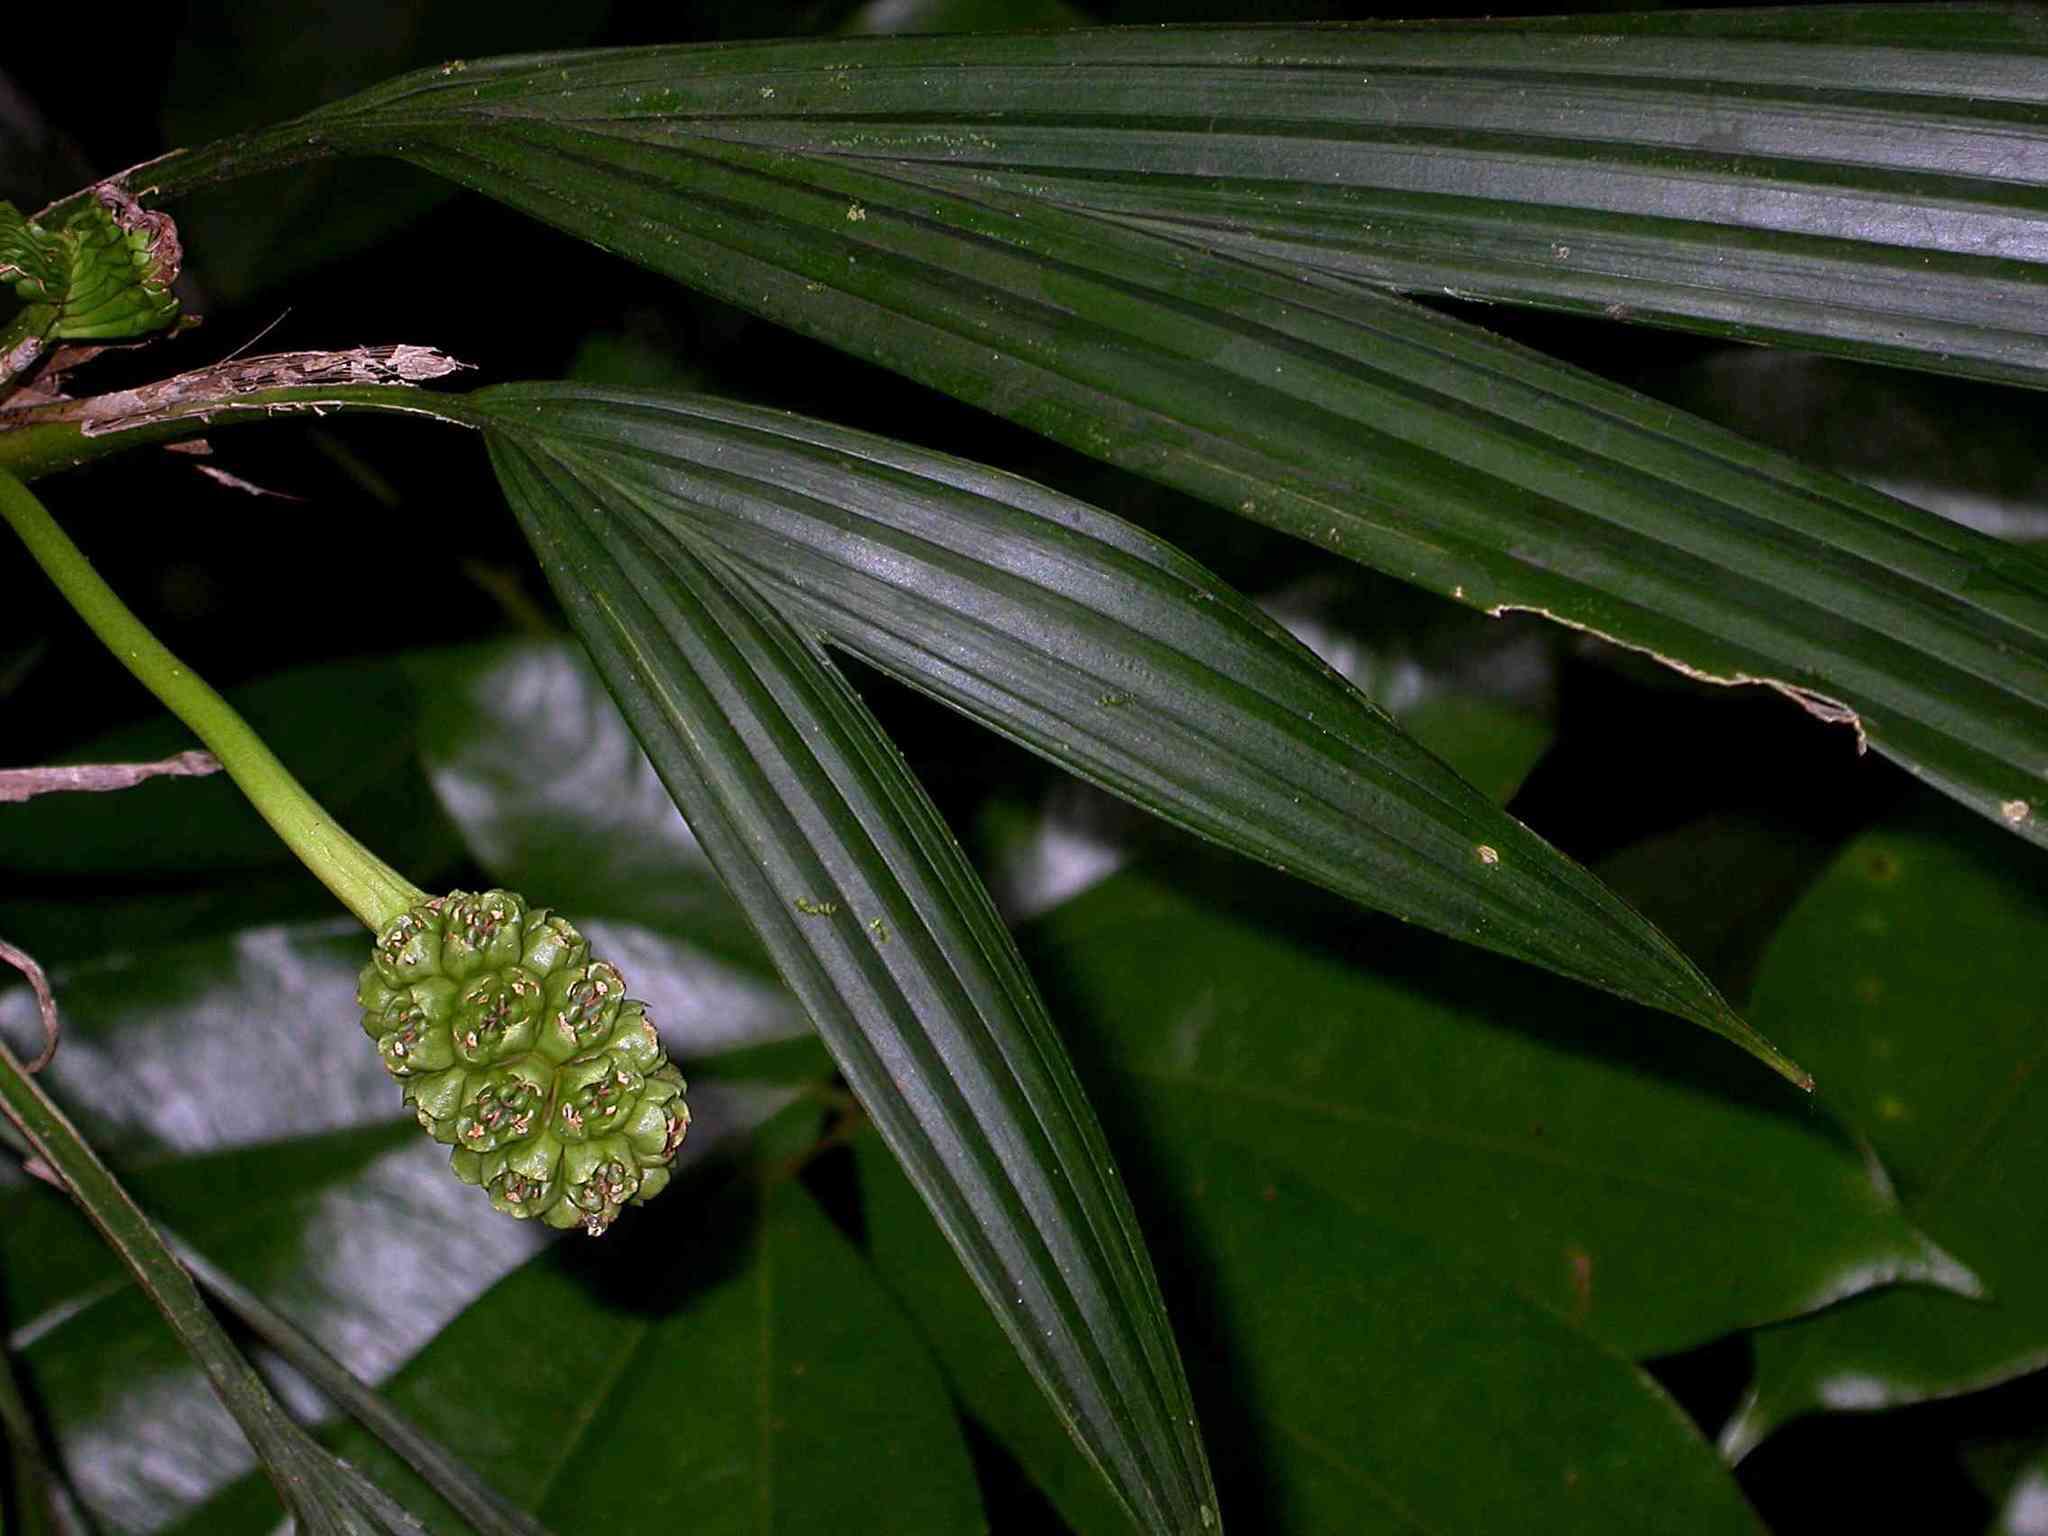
(46, 1004)
(364, 884)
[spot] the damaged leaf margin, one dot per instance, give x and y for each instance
(1824, 709)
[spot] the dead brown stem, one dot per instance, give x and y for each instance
(26, 783)
(46, 1002)
(217, 388)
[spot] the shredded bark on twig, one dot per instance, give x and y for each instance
(206, 391)
(47, 385)
(26, 783)
(46, 1003)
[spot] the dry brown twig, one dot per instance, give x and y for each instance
(223, 389)
(25, 783)
(46, 1002)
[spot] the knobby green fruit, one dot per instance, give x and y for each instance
(525, 1055)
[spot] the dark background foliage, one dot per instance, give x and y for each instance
(1719, 807)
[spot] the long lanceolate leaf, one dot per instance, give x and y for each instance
(877, 922)
(908, 200)
(1104, 649)
(1872, 179)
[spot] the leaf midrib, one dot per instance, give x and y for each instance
(1349, 1469)
(638, 1332)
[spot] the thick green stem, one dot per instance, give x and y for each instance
(364, 883)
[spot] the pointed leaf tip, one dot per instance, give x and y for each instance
(816, 825)
(1025, 609)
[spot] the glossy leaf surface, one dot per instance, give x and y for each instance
(1911, 973)
(1367, 1384)
(1965, 451)
(320, 1492)
(884, 933)
(834, 189)
(763, 1383)
(1102, 649)
(1478, 694)
(1569, 1150)
(860, 191)
(1861, 178)
(269, 1137)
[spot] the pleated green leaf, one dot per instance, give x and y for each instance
(1154, 245)
(1104, 649)
(885, 934)
(1871, 180)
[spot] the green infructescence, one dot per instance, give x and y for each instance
(513, 1045)
(524, 1054)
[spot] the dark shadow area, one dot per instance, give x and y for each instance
(1508, 994)
(1893, 1471)
(1014, 1504)
(700, 1233)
